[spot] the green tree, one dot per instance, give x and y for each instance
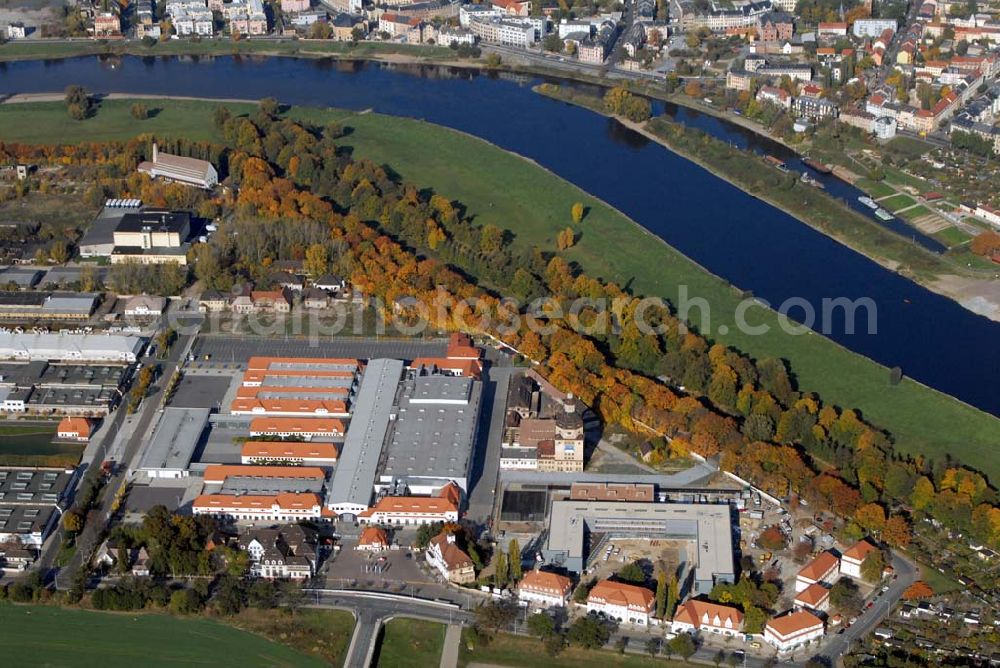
(845, 597)
(661, 594)
(589, 633)
(873, 566)
(754, 619)
(500, 570)
(653, 646)
(719, 657)
(673, 594)
(682, 645)
(58, 252)
(317, 260)
(541, 625)
(632, 573)
(514, 559)
(140, 112)
(185, 602)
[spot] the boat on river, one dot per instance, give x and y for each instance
(868, 201)
(817, 165)
(883, 214)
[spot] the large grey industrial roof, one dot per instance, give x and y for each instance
(269, 486)
(33, 486)
(709, 525)
(174, 439)
(305, 381)
(434, 433)
(354, 480)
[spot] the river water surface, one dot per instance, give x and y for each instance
(736, 236)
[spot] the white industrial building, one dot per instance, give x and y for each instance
(172, 444)
(70, 347)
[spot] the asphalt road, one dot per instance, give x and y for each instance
(486, 467)
(140, 424)
(906, 574)
(372, 610)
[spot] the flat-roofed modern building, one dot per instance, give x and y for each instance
(172, 444)
(70, 347)
(353, 482)
(30, 499)
(709, 526)
(432, 439)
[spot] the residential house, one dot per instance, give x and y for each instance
(814, 108)
(513, 7)
(74, 429)
(824, 568)
(107, 24)
(830, 29)
(288, 552)
(815, 597)
(277, 301)
(330, 284)
(739, 80)
(314, 298)
(145, 306)
(373, 539)
(212, 301)
(776, 26)
(544, 590)
(776, 96)
(15, 557)
(404, 28)
(853, 557)
(293, 6)
(140, 564)
(793, 630)
(16, 30)
(621, 601)
(449, 559)
(696, 616)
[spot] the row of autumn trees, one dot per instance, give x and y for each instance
(298, 193)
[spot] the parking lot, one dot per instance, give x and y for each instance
(196, 391)
(238, 350)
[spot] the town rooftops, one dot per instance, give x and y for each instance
(816, 569)
(699, 613)
(296, 364)
(859, 551)
(546, 583)
(303, 406)
(794, 624)
(623, 595)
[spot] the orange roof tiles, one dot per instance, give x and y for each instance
(261, 362)
(454, 557)
(816, 569)
(217, 473)
(252, 502)
(289, 450)
(422, 505)
(794, 624)
(623, 595)
(813, 595)
(294, 425)
(373, 536)
(304, 406)
(543, 582)
(705, 613)
(251, 392)
(76, 425)
(859, 551)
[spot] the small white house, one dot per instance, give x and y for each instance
(544, 590)
(793, 630)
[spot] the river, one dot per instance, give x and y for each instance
(746, 241)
